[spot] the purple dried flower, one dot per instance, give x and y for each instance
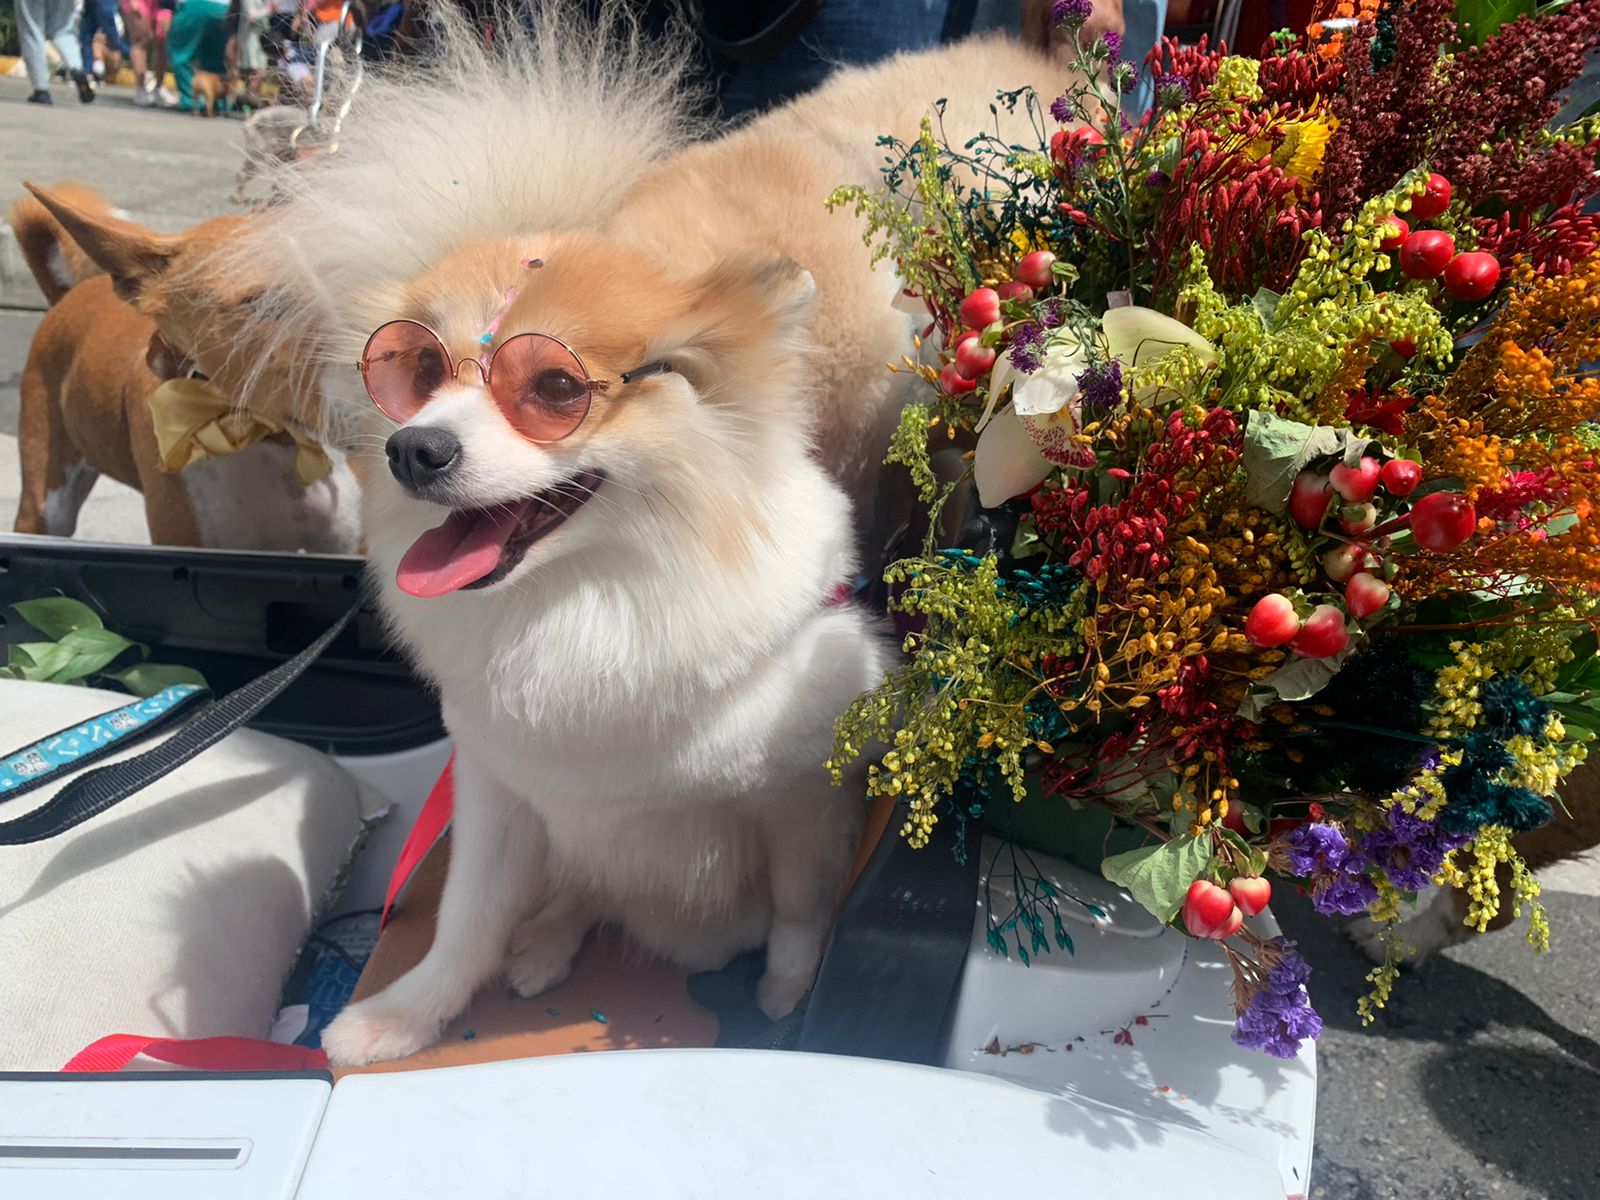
(1027, 347)
(1157, 180)
(1278, 1015)
(1071, 14)
(1315, 848)
(1061, 110)
(1100, 388)
(1346, 893)
(1113, 43)
(1053, 313)
(1410, 850)
(1172, 90)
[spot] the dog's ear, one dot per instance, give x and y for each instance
(744, 314)
(131, 254)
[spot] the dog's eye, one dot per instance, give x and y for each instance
(558, 389)
(430, 372)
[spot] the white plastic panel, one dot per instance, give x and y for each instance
(746, 1125)
(134, 1137)
(1137, 1018)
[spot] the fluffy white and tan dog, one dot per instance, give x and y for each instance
(614, 513)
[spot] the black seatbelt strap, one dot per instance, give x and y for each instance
(93, 792)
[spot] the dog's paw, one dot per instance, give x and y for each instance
(541, 956)
(371, 1032)
(778, 994)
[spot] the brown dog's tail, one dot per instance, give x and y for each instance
(55, 259)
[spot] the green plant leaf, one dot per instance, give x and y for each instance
(37, 661)
(146, 679)
(1158, 876)
(88, 651)
(57, 616)
(1275, 450)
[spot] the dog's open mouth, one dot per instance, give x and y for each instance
(476, 547)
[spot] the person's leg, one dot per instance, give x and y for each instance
(31, 33)
(183, 41)
(138, 44)
(59, 16)
(116, 43)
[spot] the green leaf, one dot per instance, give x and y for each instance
(1276, 449)
(38, 661)
(146, 679)
(57, 616)
(1298, 679)
(87, 651)
(1265, 302)
(1479, 20)
(1158, 876)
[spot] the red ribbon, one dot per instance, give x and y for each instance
(430, 826)
(117, 1050)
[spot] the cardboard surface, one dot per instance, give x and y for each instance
(643, 1001)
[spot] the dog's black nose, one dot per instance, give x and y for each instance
(423, 456)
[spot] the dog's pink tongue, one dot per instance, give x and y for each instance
(461, 551)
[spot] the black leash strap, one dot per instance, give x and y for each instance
(93, 792)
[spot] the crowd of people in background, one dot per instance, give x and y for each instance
(756, 52)
(244, 43)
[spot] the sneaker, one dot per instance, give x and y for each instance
(167, 97)
(144, 95)
(85, 88)
(40, 97)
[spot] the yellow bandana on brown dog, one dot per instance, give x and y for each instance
(195, 422)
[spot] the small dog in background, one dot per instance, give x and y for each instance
(139, 309)
(208, 90)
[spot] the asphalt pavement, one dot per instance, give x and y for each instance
(1482, 1078)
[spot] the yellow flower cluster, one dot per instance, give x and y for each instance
(1425, 795)
(1456, 707)
(1489, 850)
(1238, 78)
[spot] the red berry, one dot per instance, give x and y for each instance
(1231, 926)
(1207, 909)
(981, 309)
(1309, 499)
(1250, 892)
(1401, 476)
(1014, 292)
(1344, 561)
(1396, 236)
(1443, 521)
(1034, 269)
(954, 382)
(1272, 622)
(1434, 200)
(1403, 346)
(1358, 518)
(1356, 483)
(1471, 276)
(1090, 136)
(1365, 594)
(966, 335)
(1323, 634)
(1235, 819)
(1426, 254)
(973, 358)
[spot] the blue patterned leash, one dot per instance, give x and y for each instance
(72, 749)
(95, 791)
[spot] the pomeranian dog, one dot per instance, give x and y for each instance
(613, 517)
(143, 308)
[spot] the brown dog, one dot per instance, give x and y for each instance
(206, 88)
(100, 353)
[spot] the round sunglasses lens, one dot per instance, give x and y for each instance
(540, 386)
(405, 366)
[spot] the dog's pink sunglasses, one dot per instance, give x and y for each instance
(538, 382)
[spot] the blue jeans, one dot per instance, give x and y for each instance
(101, 15)
(852, 32)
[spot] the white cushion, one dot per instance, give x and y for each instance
(180, 912)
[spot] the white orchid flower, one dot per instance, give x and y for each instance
(1020, 445)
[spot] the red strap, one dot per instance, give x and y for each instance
(431, 823)
(117, 1050)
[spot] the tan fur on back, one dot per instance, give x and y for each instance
(762, 188)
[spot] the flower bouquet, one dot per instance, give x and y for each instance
(1279, 411)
